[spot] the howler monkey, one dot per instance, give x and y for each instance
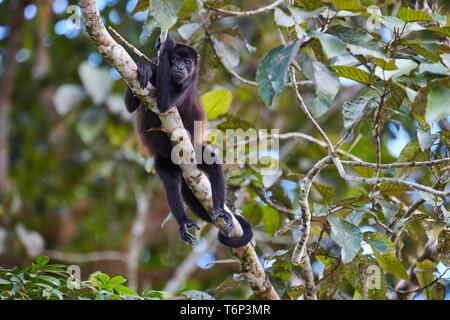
(175, 80)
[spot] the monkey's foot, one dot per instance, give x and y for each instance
(184, 233)
(144, 74)
(221, 213)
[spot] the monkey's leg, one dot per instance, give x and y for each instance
(131, 102)
(171, 177)
(192, 202)
(214, 170)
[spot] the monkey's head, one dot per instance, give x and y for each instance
(183, 64)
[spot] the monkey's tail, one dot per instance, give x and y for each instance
(241, 241)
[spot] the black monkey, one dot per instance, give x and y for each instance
(175, 80)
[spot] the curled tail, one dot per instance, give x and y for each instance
(241, 241)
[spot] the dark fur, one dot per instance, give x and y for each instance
(175, 80)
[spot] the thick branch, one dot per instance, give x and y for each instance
(117, 56)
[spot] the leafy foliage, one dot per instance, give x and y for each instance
(78, 175)
(45, 281)
(271, 75)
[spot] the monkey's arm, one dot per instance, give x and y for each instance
(145, 74)
(165, 91)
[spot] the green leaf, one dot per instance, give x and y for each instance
(271, 219)
(310, 4)
(234, 122)
(227, 54)
(272, 72)
(394, 23)
(118, 280)
(187, 30)
(420, 103)
(384, 252)
(347, 236)
(356, 36)
(446, 59)
(216, 102)
(42, 260)
(325, 191)
(47, 279)
(410, 15)
(326, 84)
(393, 188)
(389, 209)
(165, 12)
(411, 152)
(424, 52)
(359, 107)
(404, 66)
(102, 278)
(441, 30)
(444, 136)
(253, 213)
(4, 282)
(426, 139)
(162, 14)
(353, 73)
(154, 294)
(438, 104)
(141, 5)
(282, 19)
(424, 274)
(385, 64)
(348, 5)
(443, 247)
(208, 64)
(124, 290)
(434, 69)
(393, 101)
(332, 45)
(391, 264)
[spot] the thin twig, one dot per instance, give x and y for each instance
(308, 114)
(131, 47)
(423, 287)
(395, 164)
(246, 13)
(410, 184)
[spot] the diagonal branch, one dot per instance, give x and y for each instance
(172, 124)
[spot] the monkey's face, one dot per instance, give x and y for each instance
(183, 64)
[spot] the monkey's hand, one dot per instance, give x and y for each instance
(169, 44)
(184, 233)
(221, 213)
(144, 74)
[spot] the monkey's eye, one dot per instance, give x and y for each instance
(187, 61)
